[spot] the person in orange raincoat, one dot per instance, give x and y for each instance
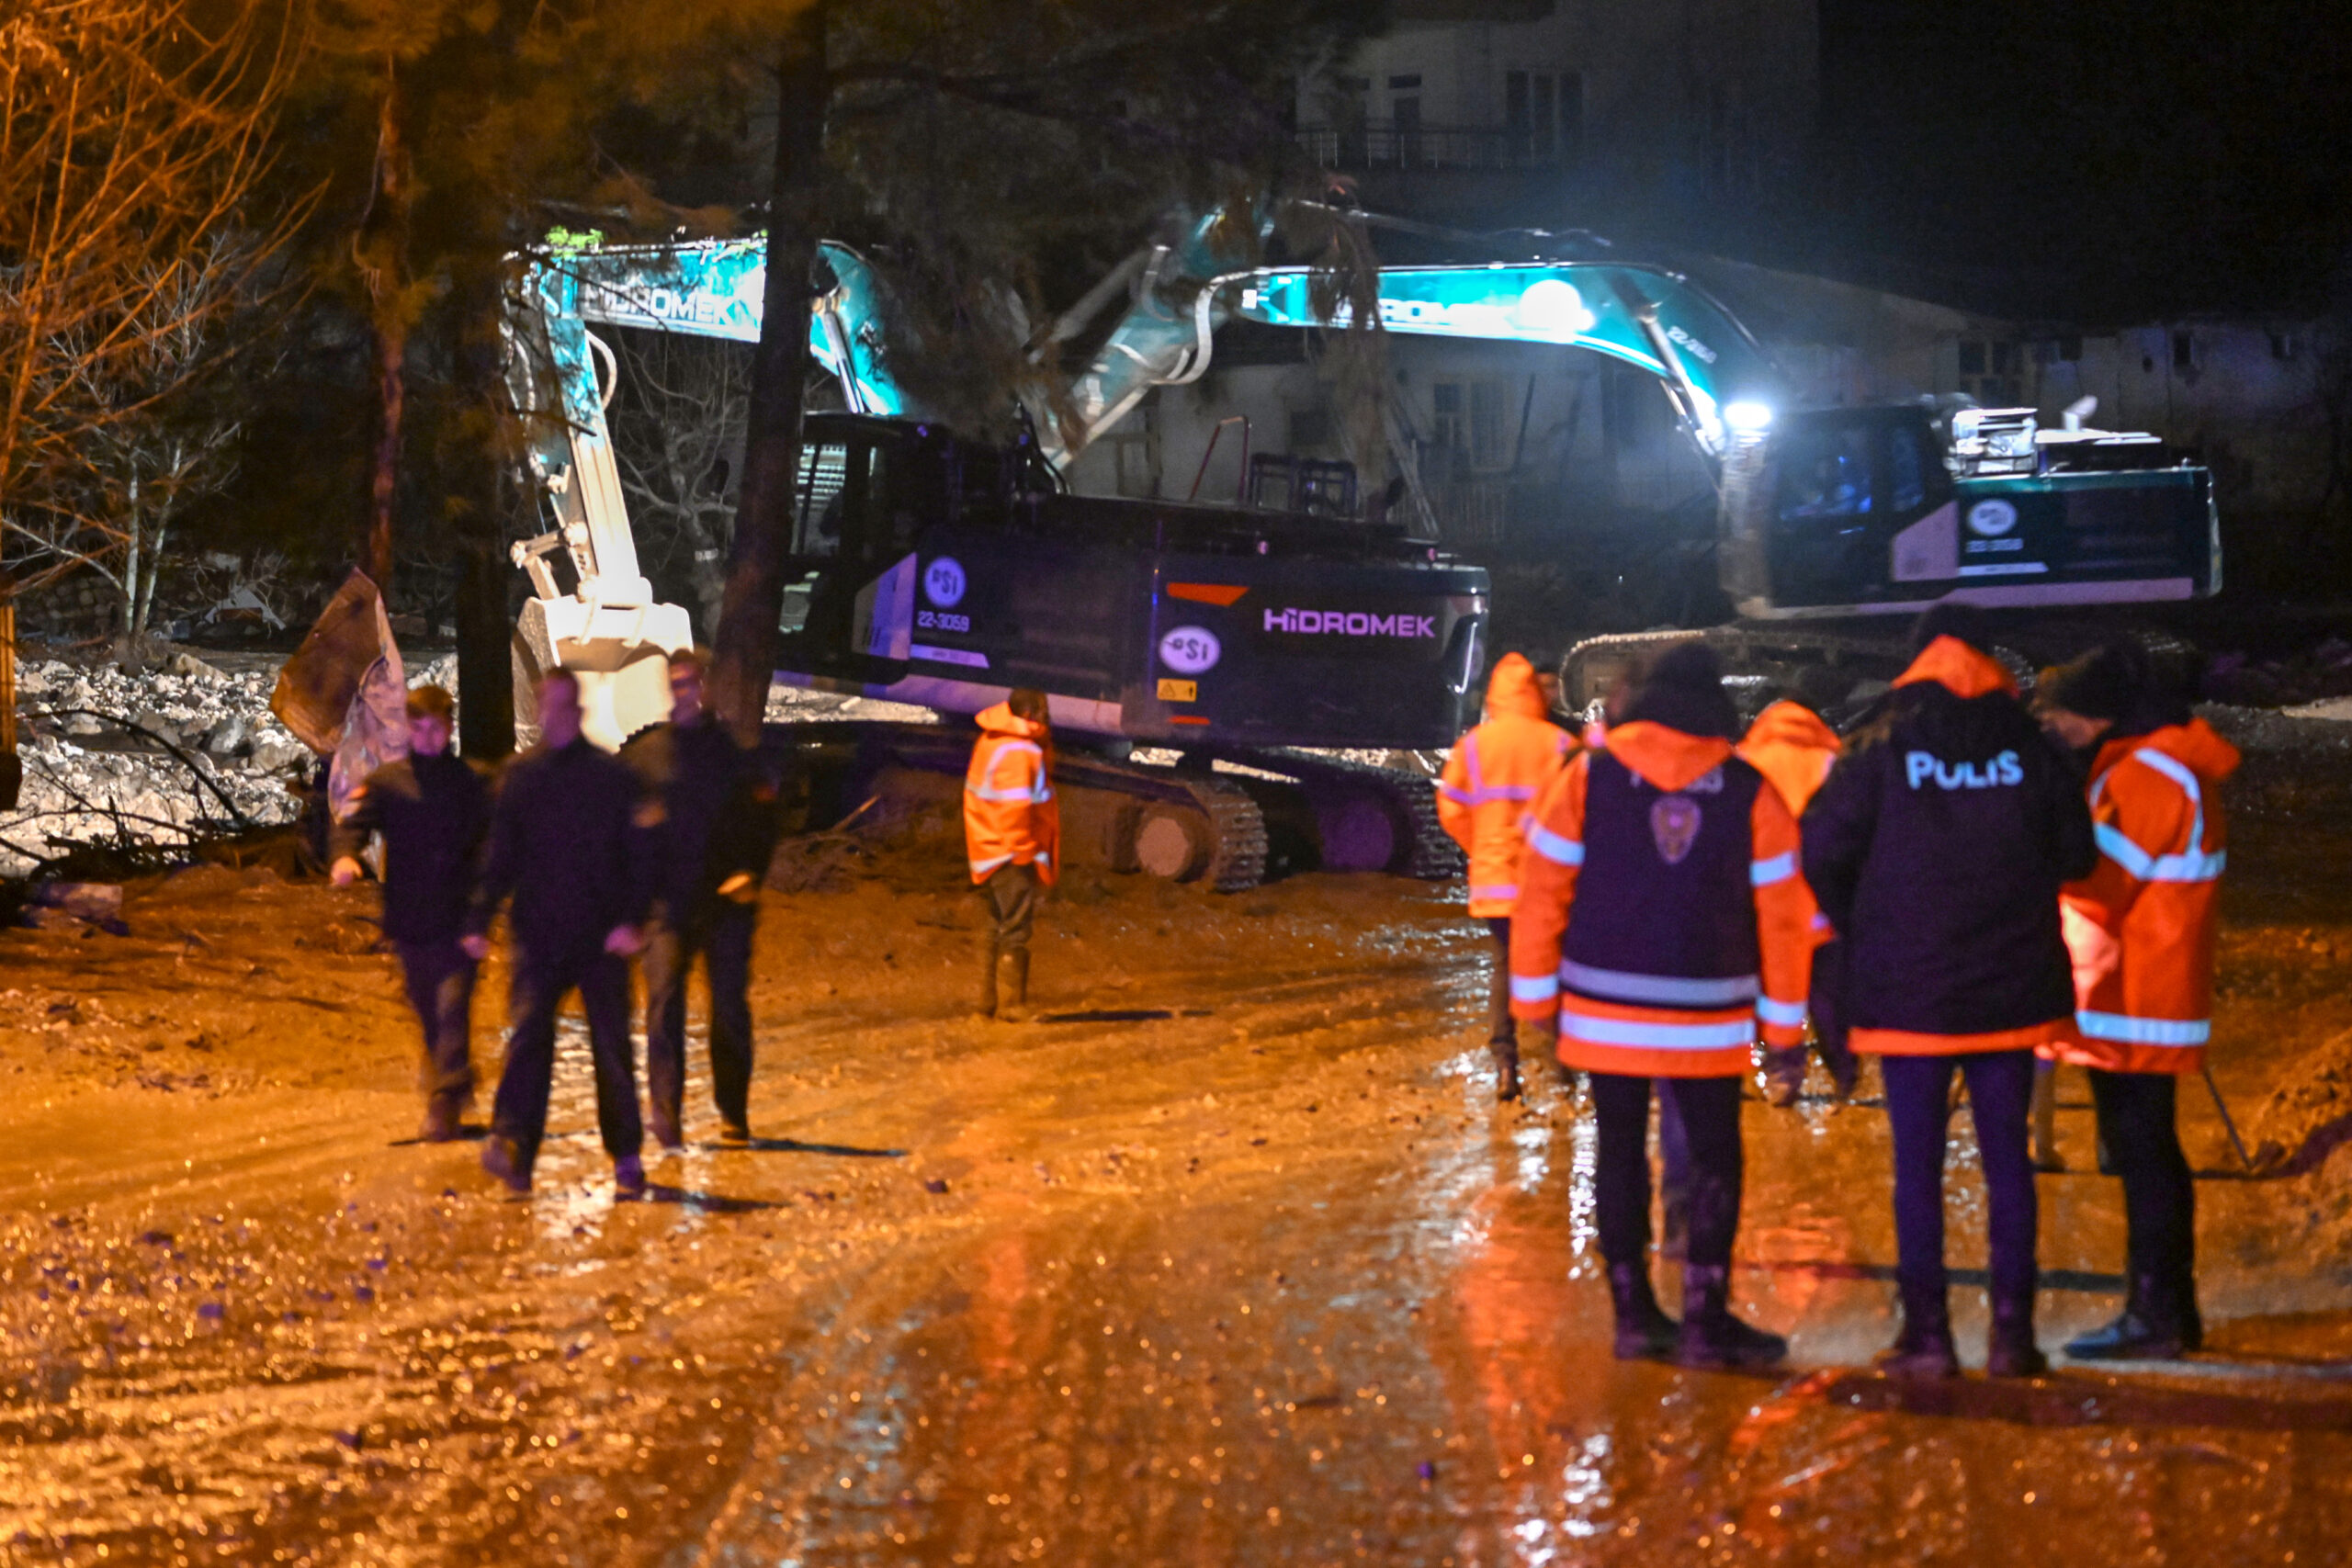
(1793, 748)
(1013, 837)
(1661, 915)
(1491, 778)
(2140, 929)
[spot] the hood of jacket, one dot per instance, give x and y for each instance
(1665, 758)
(1512, 691)
(1959, 669)
(1002, 720)
(1792, 724)
(2196, 745)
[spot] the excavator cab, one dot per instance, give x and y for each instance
(864, 494)
(1874, 511)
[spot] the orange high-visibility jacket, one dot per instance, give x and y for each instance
(1009, 813)
(1790, 745)
(1794, 750)
(1692, 1026)
(2141, 926)
(1493, 776)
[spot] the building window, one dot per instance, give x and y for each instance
(1543, 114)
(2183, 351)
(1468, 422)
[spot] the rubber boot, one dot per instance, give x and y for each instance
(988, 976)
(2009, 1348)
(1015, 1006)
(2045, 1118)
(1506, 1055)
(1644, 1331)
(445, 1118)
(2148, 1330)
(2192, 1322)
(1924, 1348)
(1711, 1335)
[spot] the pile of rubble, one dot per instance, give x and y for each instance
(99, 750)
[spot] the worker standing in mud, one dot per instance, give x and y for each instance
(1491, 777)
(569, 840)
(1013, 831)
(1661, 916)
(719, 831)
(432, 809)
(1937, 847)
(1794, 749)
(2141, 928)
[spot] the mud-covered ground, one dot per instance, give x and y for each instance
(1229, 1258)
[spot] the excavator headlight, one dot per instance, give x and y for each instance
(1748, 418)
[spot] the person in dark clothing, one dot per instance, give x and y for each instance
(1937, 847)
(569, 840)
(717, 833)
(432, 809)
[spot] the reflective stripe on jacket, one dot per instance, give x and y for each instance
(1009, 813)
(1493, 776)
(2143, 924)
(1794, 750)
(1673, 1017)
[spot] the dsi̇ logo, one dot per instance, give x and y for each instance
(943, 583)
(1991, 518)
(1190, 651)
(2000, 772)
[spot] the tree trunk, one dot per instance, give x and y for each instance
(381, 252)
(485, 576)
(744, 661)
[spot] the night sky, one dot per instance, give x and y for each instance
(2093, 157)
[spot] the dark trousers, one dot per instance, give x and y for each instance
(1826, 1002)
(1621, 1180)
(1919, 1103)
(2136, 1120)
(721, 934)
(1013, 900)
(439, 979)
(519, 1114)
(1501, 1030)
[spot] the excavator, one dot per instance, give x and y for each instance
(1202, 663)
(1830, 520)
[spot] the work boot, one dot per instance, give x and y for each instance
(2192, 1322)
(1506, 1055)
(988, 978)
(628, 1177)
(1014, 1008)
(503, 1160)
(1783, 1075)
(444, 1119)
(1924, 1348)
(1845, 1073)
(1644, 1331)
(734, 1135)
(1711, 1335)
(2149, 1328)
(2009, 1349)
(666, 1130)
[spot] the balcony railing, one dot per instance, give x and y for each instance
(1388, 146)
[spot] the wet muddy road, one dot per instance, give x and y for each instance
(1230, 1258)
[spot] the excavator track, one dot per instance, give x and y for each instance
(1233, 859)
(1422, 849)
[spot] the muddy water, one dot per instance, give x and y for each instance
(1230, 1258)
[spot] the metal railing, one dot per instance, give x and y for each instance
(1388, 146)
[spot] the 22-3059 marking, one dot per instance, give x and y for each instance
(940, 620)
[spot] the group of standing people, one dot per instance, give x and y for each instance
(655, 855)
(1960, 885)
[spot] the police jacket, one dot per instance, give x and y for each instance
(1660, 914)
(2141, 926)
(1491, 778)
(1009, 814)
(718, 811)
(432, 812)
(1937, 847)
(1791, 745)
(572, 841)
